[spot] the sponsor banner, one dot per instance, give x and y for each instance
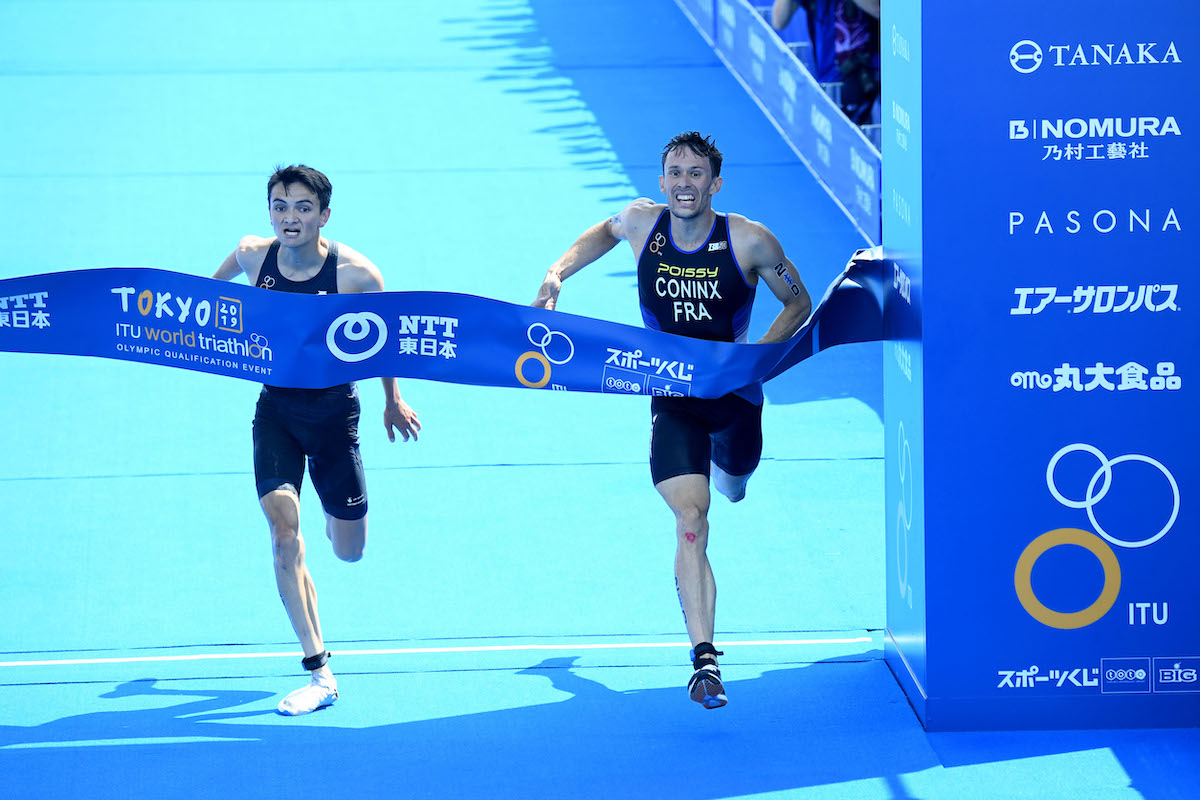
(835, 149)
(307, 341)
(1052, 364)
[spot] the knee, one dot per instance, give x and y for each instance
(283, 520)
(691, 525)
(349, 551)
(349, 539)
(285, 540)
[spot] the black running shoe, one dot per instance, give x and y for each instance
(705, 687)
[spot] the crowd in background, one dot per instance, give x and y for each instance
(838, 41)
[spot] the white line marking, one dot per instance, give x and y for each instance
(420, 650)
(119, 742)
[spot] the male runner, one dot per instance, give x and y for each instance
(320, 424)
(697, 273)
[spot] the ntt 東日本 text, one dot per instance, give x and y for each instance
(25, 311)
(435, 336)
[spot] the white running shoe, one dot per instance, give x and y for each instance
(320, 692)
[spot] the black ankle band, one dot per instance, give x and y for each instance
(704, 649)
(315, 662)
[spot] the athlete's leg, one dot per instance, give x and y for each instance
(732, 486)
(296, 589)
(680, 451)
(335, 464)
(688, 498)
(278, 472)
(349, 536)
(299, 595)
(737, 447)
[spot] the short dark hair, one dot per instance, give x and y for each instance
(702, 146)
(316, 182)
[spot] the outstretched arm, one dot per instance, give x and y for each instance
(591, 245)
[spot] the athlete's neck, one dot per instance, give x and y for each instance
(690, 233)
(305, 259)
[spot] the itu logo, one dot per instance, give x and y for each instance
(349, 336)
(547, 341)
(1098, 488)
(1025, 56)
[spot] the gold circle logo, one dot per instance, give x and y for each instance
(541, 359)
(1023, 576)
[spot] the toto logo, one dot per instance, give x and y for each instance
(356, 327)
(1025, 56)
(1097, 489)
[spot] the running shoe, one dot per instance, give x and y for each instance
(706, 688)
(320, 692)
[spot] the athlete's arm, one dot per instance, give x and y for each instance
(767, 261)
(356, 273)
(590, 246)
(247, 257)
(229, 269)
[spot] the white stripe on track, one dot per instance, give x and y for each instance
(420, 650)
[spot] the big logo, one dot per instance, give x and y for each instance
(1097, 489)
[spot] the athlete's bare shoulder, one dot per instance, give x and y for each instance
(635, 221)
(643, 210)
(251, 253)
(739, 224)
(753, 242)
(356, 272)
(252, 244)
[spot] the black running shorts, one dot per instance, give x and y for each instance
(322, 425)
(689, 432)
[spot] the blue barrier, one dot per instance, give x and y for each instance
(835, 149)
(1040, 437)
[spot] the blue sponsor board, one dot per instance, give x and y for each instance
(1043, 353)
(903, 370)
(833, 147)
